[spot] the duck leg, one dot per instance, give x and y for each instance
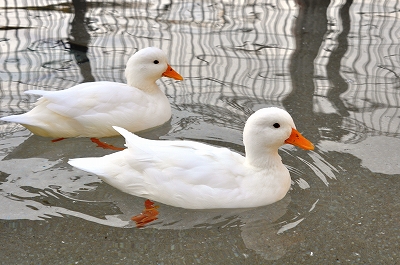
(57, 140)
(105, 145)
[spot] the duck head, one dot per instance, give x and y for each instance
(146, 66)
(268, 129)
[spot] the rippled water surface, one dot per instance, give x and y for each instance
(333, 65)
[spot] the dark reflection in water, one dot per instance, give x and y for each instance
(309, 37)
(332, 64)
(80, 39)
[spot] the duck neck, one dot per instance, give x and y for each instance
(146, 86)
(139, 79)
(262, 157)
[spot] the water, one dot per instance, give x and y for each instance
(333, 65)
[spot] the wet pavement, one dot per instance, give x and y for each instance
(333, 65)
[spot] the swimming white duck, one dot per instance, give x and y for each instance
(194, 175)
(91, 109)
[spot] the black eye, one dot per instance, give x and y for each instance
(156, 62)
(276, 125)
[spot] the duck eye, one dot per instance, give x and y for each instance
(276, 125)
(156, 62)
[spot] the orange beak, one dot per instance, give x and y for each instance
(172, 73)
(299, 140)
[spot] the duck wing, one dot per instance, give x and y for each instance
(191, 162)
(88, 99)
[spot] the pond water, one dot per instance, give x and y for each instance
(333, 65)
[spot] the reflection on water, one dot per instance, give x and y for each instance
(333, 65)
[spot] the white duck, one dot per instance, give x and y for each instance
(91, 109)
(193, 175)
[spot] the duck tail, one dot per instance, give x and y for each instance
(131, 139)
(88, 164)
(22, 119)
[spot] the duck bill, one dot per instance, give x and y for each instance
(299, 140)
(172, 73)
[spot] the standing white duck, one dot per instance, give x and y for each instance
(91, 109)
(193, 175)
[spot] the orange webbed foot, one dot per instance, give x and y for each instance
(149, 214)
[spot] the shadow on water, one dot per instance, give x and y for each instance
(305, 56)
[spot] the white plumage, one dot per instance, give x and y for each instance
(91, 109)
(198, 176)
